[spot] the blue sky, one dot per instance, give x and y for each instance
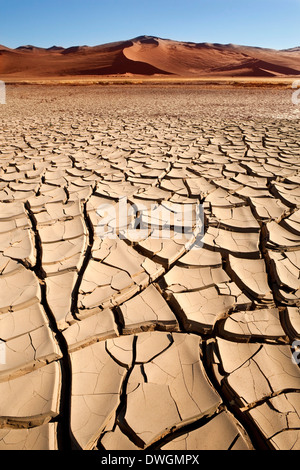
(264, 23)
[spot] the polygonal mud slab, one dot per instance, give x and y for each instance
(268, 208)
(278, 420)
(200, 257)
(20, 322)
(220, 198)
(243, 244)
(62, 230)
(167, 249)
(257, 324)
(59, 293)
(19, 290)
(32, 398)
(220, 433)
(39, 438)
(181, 279)
(97, 327)
(147, 310)
(179, 395)
(116, 253)
(251, 372)
(105, 286)
(236, 218)
(251, 276)
(285, 268)
(96, 387)
(29, 351)
(280, 238)
(65, 255)
(172, 390)
(19, 244)
(200, 310)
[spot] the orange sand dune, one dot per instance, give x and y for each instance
(147, 55)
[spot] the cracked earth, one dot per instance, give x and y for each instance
(120, 344)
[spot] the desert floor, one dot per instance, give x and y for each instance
(179, 342)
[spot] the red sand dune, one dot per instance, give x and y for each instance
(147, 55)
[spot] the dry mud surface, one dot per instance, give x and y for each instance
(120, 344)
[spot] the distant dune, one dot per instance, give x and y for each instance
(148, 56)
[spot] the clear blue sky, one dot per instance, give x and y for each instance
(265, 23)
